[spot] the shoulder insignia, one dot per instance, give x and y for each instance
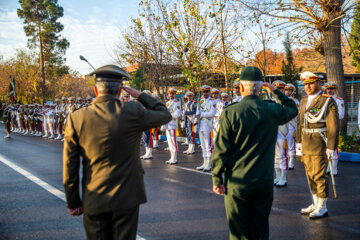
(325, 95)
(167, 104)
(333, 108)
(178, 107)
(214, 105)
(339, 98)
(202, 101)
(175, 100)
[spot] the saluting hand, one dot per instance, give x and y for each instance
(269, 87)
(133, 92)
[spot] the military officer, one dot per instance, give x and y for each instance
(292, 126)
(173, 106)
(238, 97)
(189, 112)
(125, 97)
(112, 184)
(45, 110)
(89, 100)
(281, 160)
(318, 133)
(219, 109)
(206, 113)
(6, 118)
(330, 89)
(215, 97)
(244, 154)
(147, 138)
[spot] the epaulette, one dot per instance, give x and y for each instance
(325, 95)
(339, 98)
(176, 100)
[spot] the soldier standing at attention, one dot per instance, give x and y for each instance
(290, 138)
(318, 133)
(206, 112)
(189, 112)
(244, 152)
(6, 114)
(219, 109)
(147, 138)
(330, 89)
(113, 184)
(173, 106)
(281, 158)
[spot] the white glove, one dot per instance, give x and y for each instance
(329, 153)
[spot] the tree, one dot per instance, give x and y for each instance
(289, 70)
(42, 28)
(355, 39)
(321, 19)
(138, 80)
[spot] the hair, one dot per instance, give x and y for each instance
(251, 87)
(108, 88)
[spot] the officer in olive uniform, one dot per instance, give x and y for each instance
(6, 118)
(244, 152)
(112, 184)
(318, 134)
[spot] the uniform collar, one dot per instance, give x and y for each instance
(251, 97)
(104, 98)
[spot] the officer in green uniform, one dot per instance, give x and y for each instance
(317, 138)
(244, 152)
(107, 134)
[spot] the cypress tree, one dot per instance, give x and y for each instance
(354, 39)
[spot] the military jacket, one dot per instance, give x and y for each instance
(174, 109)
(244, 148)
(107, 136)
(313, 143)
(207, 112)
(190, 111)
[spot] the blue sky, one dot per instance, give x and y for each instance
(91, 26)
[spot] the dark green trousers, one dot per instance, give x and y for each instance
(119, 225)
(248, 213)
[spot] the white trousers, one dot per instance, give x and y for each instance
(171, 139)
(291, 143)
(206, 143)
(281, 160)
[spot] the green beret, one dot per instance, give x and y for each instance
(251, 74)
(110, 73)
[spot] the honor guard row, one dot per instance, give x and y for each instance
(46, 120)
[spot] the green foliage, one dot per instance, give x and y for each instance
(42, 27)
(355, 39)
(138, 80)
(349, 143)
(289, 70)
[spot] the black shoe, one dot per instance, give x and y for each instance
(291, 168)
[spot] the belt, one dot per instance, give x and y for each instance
(314, 130)
(204, 118)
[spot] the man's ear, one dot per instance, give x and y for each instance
(241, 88)
(96, 91)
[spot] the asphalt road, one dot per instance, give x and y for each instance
(180, 204)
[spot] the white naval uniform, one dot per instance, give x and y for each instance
(290, 137)
(50, 116)
(215, 119)
(207, 112)
(237, 98)
(45, 121)
(219, 109)
(174, 108)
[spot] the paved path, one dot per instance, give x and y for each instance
(180, 203)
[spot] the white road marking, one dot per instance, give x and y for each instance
(192, 170)
(54, 191)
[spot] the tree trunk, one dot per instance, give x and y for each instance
(334, 63)
(42, 68)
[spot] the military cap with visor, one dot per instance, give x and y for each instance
(251, 73)
(309, 77)
(290, 86)
(330, 85)
(204, 88)
(172, 90)
(110, 73)
(215, 90)
(279, 84)
(189, 93)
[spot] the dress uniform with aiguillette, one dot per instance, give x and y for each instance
(107, 135)
(318, 135)
(206, 112)
(244, 153)
(173, 106)
(189, 112)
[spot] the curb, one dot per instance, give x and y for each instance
(349, 157)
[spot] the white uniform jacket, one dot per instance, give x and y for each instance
(174, 108)
(207, 112)
(340, 104)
